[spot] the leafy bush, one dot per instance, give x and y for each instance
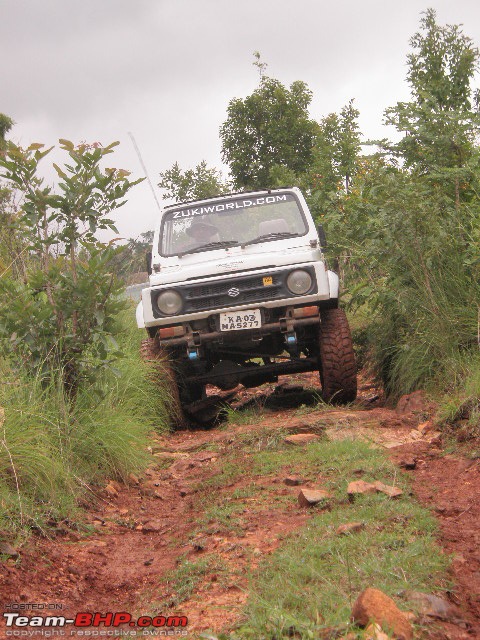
(59, 317)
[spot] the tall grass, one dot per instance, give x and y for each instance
(53, 452)
(427, 331)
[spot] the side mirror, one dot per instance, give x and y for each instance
(149, 262)
(322, 237)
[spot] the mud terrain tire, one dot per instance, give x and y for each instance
(338, 371)
(162, 372)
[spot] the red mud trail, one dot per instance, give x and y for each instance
(138, 536)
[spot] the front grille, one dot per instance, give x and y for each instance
(214, 295)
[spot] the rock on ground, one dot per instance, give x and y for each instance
(372, 605)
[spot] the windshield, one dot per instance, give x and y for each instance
(240, 220)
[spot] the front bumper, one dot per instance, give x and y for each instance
(209, 296)
(285, 325)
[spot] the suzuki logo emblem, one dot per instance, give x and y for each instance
(233, 292)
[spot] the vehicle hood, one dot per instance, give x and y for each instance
(235, 259)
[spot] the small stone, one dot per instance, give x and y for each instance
(292, 482)
(199, 544)
(391, 492)
(205, 456)
(6, 549)
(182, 465)
(133, 478)
(123, 512)
(147, 492)
(302, 438)
(349, 527)
(111, 490)
(372, 605)
(360, 487)
(432, 606)
(435, 438)
(408, 463)
(148, 562)
(153, 526)
(413, 402)
(312, 497)
(73, 570)
(425, 427)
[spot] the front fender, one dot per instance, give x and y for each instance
(139, 316)
(333, 284)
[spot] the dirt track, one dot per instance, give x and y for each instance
(136, 535)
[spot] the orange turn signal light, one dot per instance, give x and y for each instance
(305, 312)
(171, 332)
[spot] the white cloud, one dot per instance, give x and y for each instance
(166, 69)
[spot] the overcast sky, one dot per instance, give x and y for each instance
(165, 70)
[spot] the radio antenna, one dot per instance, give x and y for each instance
(134, 142)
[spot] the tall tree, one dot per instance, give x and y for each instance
(441, 121)
(192, 184)
(11, 243)
(409, 227)
(271, 128)
(6, 124)
(335, 160)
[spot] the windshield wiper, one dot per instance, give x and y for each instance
(222, 244)
(271, 236)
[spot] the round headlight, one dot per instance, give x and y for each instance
(299, 282)
(169, 302)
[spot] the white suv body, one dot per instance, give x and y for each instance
(236, 281)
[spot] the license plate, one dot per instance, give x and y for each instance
(238, 320)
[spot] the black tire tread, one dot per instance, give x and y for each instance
(338, 370)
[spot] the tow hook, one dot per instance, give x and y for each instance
(193, 353)
(291, 339)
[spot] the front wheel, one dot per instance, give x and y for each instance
(337, 367)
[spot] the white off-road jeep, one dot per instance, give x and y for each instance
(240, 293)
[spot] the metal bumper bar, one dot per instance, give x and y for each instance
(282, 326)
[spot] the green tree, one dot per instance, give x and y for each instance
(131, 257)
(335, 161)
(11, 245)
(441, 122)
(192, 184)
(408, 227)
(61, 318)
(6, 124)
(268, 130)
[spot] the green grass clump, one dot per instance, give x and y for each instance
(459, 410)
(183, 582)
(244, 415)
(52, 451)
(312, 580)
